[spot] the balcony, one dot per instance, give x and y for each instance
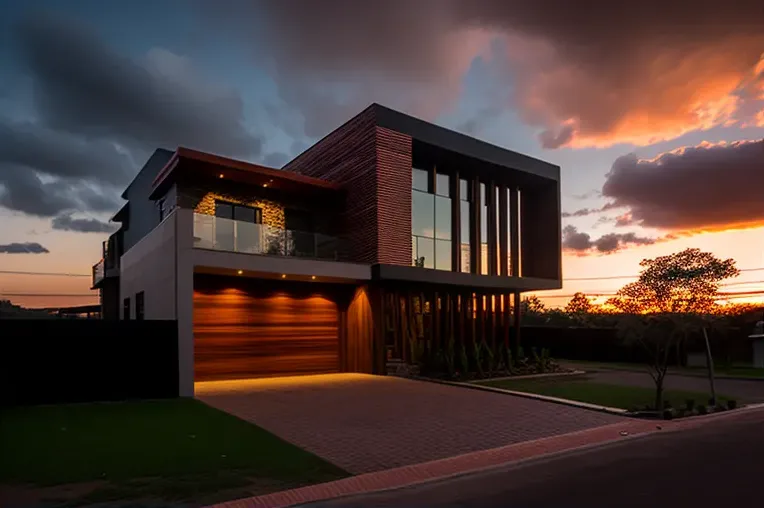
(229, 235)
(99, 272)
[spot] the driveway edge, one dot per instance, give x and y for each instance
(472, 462)
(506, 456)
(536, 396)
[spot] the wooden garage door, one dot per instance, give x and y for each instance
(240, 334)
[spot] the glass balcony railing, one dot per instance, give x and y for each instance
(217, 233)
(98, 272)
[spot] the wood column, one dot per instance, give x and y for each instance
(517, 318)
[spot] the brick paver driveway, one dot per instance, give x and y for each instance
(368, 423)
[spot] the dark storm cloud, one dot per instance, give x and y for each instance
(594, 72)
(67, 223)
(276, 159)
(58, 153)
(23, 190)
(99, 115)
(705, 187)
(83, 86)
(23, 248)
(582, 243)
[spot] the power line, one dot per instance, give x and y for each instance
(94, 295)
(614, 277)
(58, 274)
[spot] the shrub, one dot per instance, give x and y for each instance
(690, 404)
(510, 363)
(731, 404)
(702, 410)
(668, 414)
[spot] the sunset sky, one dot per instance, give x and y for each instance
(653, 110)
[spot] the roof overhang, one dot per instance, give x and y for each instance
(470, 281)
(121, 215)
(192, 164)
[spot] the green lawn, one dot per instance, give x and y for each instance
(735, 371)
(173, 450)
(583, 390)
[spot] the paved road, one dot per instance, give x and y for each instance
(718, 464)
(369, 423)
(744, 390)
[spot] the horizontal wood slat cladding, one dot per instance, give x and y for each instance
(358, 347)
(241, 333)
(348, 156)
(394, 197)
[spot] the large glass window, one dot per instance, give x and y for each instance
(483, 231)
(431, 221)
(498, 243)
(464, 221)
(420, 180)
(510, 212)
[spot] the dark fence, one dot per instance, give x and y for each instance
(69, 360)
(588, 344)
(604, 345)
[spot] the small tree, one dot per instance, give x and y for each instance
(687, 281)
(672, 298)
(532, 304)
(579, 304)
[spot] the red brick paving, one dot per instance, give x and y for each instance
(472, 462)
(372, 423)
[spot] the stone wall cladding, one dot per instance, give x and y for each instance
(272, 212)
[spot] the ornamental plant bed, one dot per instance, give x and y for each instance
(480, 363)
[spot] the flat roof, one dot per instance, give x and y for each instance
(201, 163)
(434, 138)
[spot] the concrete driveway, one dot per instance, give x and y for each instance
(366, 423)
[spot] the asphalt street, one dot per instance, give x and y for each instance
(720, 463)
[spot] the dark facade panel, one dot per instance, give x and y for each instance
(441, 137)
(142, 214)
(473, 281)
(348, 156)
(541, 237)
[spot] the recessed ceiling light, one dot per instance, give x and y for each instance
(240, 272)
(265, 185)
(313, 277)
(283, 276)
(221, 175)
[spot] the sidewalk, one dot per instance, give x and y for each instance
(476, 461)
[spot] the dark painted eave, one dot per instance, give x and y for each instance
(121, 215)
(448, 139)
(469, 281)
(235, 170)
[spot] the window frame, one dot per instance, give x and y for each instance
(140, 305)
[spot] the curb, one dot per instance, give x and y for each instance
(533, 376)
(604, 368)
(535, 396)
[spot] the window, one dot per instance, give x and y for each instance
(510, 213)
(241, 213)
(496, 232)
(160, 206)
(483, 231)
(464, 221)
(126, 309)
(431, 220)
(139, 306)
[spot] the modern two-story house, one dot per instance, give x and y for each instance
(384, 236)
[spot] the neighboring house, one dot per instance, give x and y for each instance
(295, 271)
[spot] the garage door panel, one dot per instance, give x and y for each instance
(239, 334)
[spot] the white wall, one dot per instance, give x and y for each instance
(149, 266)
(160, 265)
